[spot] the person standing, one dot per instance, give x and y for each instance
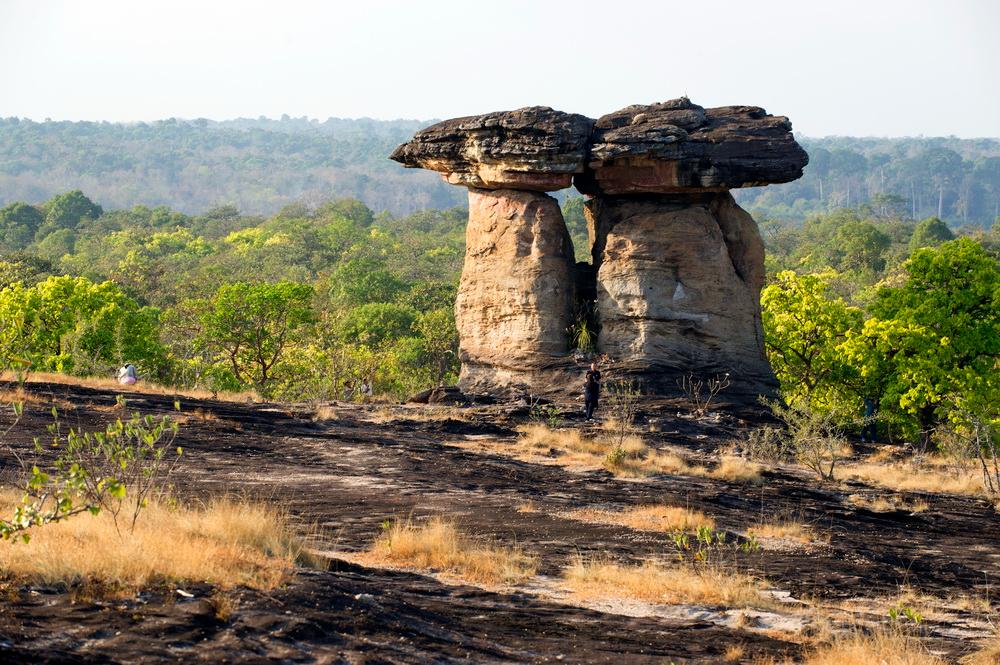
(591, 391)
(869, 431)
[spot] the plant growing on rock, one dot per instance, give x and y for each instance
(623, 402)
(117, 471)
(810, 437)
(701, 392)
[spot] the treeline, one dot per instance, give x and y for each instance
(308, 303)
(257, 165)
(261, 165)
(957, 180)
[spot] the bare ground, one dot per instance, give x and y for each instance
(344, 477)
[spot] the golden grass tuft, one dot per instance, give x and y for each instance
(655, 583)
(910, 478)
(788, 530)
(226, 542)
(883, 646)
(439, 545)
(142, 386)
(324, 412)
(736, 469)
(988, 653)
(635, 460)
(883, 503)
(647, 518)
(734, 653)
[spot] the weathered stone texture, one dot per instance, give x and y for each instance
(678, 146)
(534, 148)
(678, 265)
(678, 289)
(515, 300)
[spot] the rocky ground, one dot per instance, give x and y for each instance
(343, 476)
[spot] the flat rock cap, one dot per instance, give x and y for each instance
(534, 148)
(678, 146)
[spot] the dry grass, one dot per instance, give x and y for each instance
(647, 518)
(737, 469)
(20, 395)
(911, 478)
(225, 542)
(734, 654)
(987, 654)
(324, 412)
(439, 545)
(887, 503)
(655, 583)
(788, 530)
(142, 386)
(882, 646)
(636, 460)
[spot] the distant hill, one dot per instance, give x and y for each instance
(262, 165)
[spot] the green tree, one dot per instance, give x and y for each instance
(803, 327)
(439, 341)
(18, 224)
(70, 324)
(66, 211)
(252, 325)
(351, 209)
(940, 331)
(377, 324)
(931, 232)
(363, 281)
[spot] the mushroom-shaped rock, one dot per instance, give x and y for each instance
(678, 146)
(535, 149)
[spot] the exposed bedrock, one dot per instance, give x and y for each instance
(678, 289)
(515, 299)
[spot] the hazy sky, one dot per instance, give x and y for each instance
(884, 68)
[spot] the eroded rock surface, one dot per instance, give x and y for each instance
(678, 289)
(678, 146)
(534, 148)
(515, 300)
(678, 266)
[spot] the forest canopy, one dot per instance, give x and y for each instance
(261, 165)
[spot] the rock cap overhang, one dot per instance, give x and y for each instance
(670, 147)
(534, 148)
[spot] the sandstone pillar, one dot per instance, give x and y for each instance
(515, 300)
(678, 289)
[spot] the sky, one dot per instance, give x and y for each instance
(871, 68)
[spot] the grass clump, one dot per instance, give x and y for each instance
(439, 545)
(625, 455)
(884, 646)
(666, 519)
(787, 530)
(225, 542)
(903, 477)
(884, 504)
(988, 653)
(656, 583)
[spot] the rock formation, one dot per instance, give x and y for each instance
(515, 300)
(677, 265)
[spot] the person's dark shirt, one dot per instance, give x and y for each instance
(592, 382)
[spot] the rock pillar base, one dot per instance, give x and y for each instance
(678, 290)
(515, 299)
